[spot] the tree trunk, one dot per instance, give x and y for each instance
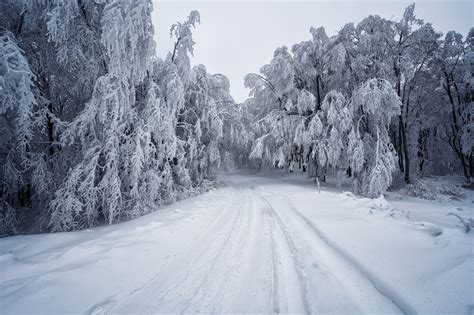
(471, 168)
(405, 143)
(399, 144)
(19, 27)
(50, 124)
(406, 158)
(318, 93)
(422, 141)
(455, 127)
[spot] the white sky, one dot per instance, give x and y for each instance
(238, 37)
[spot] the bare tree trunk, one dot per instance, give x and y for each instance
(405, 158)
(318, 93)
(400, 152)
(400, 144)
(405, 145)
(471, 168)
(422, 141)
(455, 127)
(50, 124)
(19, 27)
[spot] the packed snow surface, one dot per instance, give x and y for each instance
(258, 244)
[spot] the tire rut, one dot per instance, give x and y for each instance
(350, 265)
(403, 306)
(189, 259)
(291, 246)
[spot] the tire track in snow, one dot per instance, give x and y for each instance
(275, 283)
(236, 255)
(194, 276)
(376, 283)
(347, 266)
(290, 245)
(247, 258)
(187, 257)
(227, 245)
(247, 282)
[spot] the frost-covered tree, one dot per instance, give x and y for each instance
(95, 128)
(279, 108)
(151, 132)
(64, 69)
(17, 117)
(374, 104)
(454, 68)
(353, 136)
(331, 147)
(312, 63)
(201, 106)
(201, 114)
(101, 184)
(407, 55)
(414, 47)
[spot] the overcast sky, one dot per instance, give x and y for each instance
(238, 37)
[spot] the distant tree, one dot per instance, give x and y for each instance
(454, 62)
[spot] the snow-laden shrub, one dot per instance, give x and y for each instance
(432, 229)
(8, 220)
(467, 224)
(430, 190)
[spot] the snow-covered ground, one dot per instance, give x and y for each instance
(259, 244)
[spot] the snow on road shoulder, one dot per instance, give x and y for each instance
(425, 267)
(88, 271)
(439, 201)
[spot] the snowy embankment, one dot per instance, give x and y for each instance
(261, 244)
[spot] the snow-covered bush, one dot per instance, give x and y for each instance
(467, 224)
(8, 220)
(433, 190)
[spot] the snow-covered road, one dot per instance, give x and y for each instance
(257, 245)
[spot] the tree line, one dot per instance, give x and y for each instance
(378, 100)
(95, 128)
